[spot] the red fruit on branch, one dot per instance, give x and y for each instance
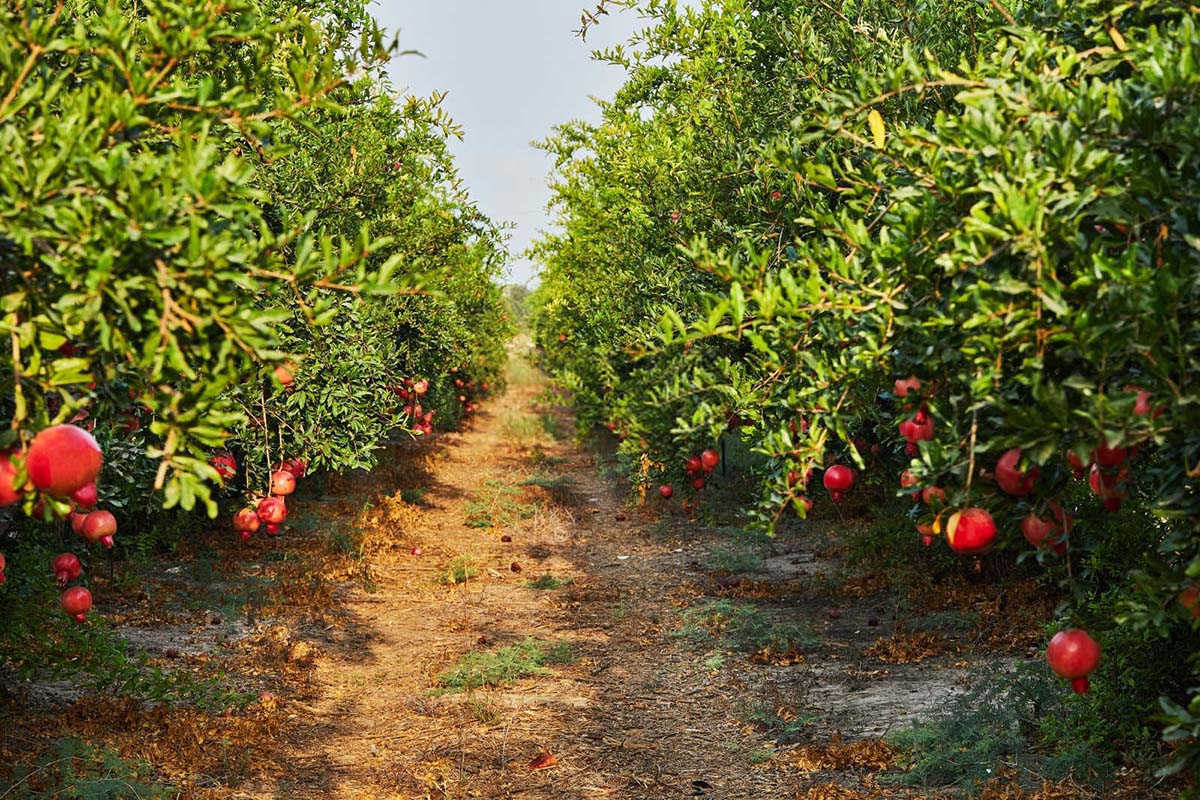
(709, 460)
(1010, 477)
(85, 497)
(902, 387)
(272, 510)
(283, 373)
(1110, 457)
(838, 480)
(421, 386)
(77, 518)
(272, 528)
(3, 578)
(1074, 655)
(694, 464)
(1038, 531)
(1077, 465)
(794, 478)
(63, 458)
(99, 527)
(66, 568)
(283, 482)
(665, 491)
(926, 532)
(933, 496)
(246, 521)
(1188, 597)
(807, 503)
(225, 465)
(1108, 487)
(77, 602)
(9, 491)
(907, 479)
(971, 531)
(698, 483)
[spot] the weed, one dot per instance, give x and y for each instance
(497, 506)
(460, 570)
(715, 662)
(547, 582)
(73, 770)
(550, 482)
(781, 724)
(503, 666)
(733, 560)
(414, 497)
(997, 721)
(743, 627)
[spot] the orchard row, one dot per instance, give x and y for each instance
(234, 256)
(948, 258)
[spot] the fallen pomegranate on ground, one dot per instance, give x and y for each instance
(1074, 655)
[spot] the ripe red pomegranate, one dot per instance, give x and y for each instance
(77, 602)
(804, 501)
(2, 565)
(272, 510)
(9, 491)
(283, 482)
(1038, 531)
(709, 460)
(665, 491)
(1108, 487)
(85, 497)
(693, 464)
(926, 532)
(1074, 655)
(63, 458)
(697, 483)
(1187, 598)
(1107, 456)
(971, 531)
(902, 387)
(99, 526)
(1009, 476)
(225, 465)
(907, 479)
(416, 551)
(283, 374)
(66, 568)
(246, 520)
(421, 386)
(838, 480)
(272, 528)
(77, 518)
(933, 496)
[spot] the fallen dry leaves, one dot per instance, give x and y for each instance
(873, 754)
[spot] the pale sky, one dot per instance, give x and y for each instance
(513, 70)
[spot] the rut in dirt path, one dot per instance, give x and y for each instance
(639, 710)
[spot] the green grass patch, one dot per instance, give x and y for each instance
(733, 559)
(547, 582)
(504, 666)
(742, 626)
(551, 482)
(460, 570)
(497, 505)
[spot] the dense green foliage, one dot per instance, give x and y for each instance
(197, 195)
(790, 206)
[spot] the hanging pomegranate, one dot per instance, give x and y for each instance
(1009, 476)
(77, 602)
(66, 568)
(1074, 655)
(838, 480)
(971, 531)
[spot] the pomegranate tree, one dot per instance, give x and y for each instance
(1074, 655)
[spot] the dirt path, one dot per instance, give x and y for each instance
(656, 699)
